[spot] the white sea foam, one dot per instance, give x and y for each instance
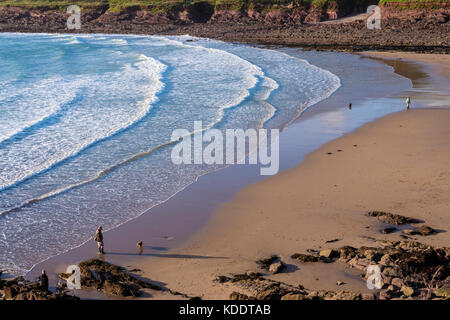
(85, 123)
(67, 161)
(23, 107)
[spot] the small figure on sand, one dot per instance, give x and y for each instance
(99, 239)
(408, 103)
(43, 281)
(139, 245)
(350, 106)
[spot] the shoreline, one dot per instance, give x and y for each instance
(166, 253)
(261, 221)
(334, 29)
(255, 224)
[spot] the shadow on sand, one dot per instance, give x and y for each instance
(162, 255)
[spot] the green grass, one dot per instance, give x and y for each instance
(411, 4)
(412, 1)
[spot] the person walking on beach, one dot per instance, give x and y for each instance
(140, 248)
(99, 239)
(43, 281)
(408, 103)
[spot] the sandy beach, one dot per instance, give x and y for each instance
(326, 198)
(96, 204)
(397, 164)
(439, 62)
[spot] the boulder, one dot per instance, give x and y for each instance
(392, 218)
(397, 282)
(267, 261)
(347, 252)
(239, 296)
(111, 279)
(410, 232)
(407, 291)
(253, 274)
(388, 230)
(368, 296)
(117, 289)
(305, 257)
(276, 267)
(343, 295)
(329, 253)
(386, 260)
(385, 295)
(425, 230)
(222, 279)
(10, 292)
(294, 296)
(21, 296)
(392, 272)
(271, 292)
(442, 292)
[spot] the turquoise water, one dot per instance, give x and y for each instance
(86, 123)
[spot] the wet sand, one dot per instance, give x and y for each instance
(324, 198)
(396, 164)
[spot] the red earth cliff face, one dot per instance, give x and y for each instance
(432, 13)
(421, 30)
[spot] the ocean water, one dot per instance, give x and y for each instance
(86, 124)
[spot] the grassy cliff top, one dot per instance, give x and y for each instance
(161, 5)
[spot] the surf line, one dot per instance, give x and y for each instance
(237, 143)
(97, 177)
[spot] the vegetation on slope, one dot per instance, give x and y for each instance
(164, 5)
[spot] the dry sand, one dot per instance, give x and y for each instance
(400, 163)
(439, 62)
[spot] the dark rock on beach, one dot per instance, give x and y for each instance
(396, 219)
(426, 230)
(392, 218)
(388, 230)
(276, 267)
(111, 279)
(240, 296)
(305, 257)
(329, 253)
(21, 289)
(409, 270)
(265, 263)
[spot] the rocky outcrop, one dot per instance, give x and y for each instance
(392, 218)
(111, 279)
(276, 267)
(408, 270)
(267, 261)
(396, 219)
(266, 289)
(20, 289)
